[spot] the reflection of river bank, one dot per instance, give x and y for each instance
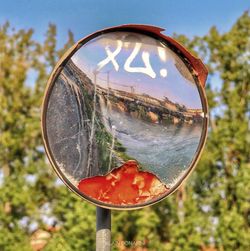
(164, 150)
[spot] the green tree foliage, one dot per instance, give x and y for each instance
(212, 210)
(220, 185)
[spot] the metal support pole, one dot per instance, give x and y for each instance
(103, 229)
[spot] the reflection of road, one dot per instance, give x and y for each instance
(165, 150)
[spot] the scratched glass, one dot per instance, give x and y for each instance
(124, 119)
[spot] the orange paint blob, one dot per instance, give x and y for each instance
(126, 185)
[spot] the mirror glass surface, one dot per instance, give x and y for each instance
(124, 119)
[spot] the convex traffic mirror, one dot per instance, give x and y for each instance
(125, 116)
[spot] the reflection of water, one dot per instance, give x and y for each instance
(164, 150)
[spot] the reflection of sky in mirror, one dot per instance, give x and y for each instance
(173, 86)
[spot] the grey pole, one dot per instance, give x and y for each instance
(103, 229)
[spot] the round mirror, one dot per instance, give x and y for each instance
(124, 118)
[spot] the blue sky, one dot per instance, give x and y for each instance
(189, 17)
(89, 56)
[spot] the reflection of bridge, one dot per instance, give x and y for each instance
(140, 105)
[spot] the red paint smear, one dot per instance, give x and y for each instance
(125, 185)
